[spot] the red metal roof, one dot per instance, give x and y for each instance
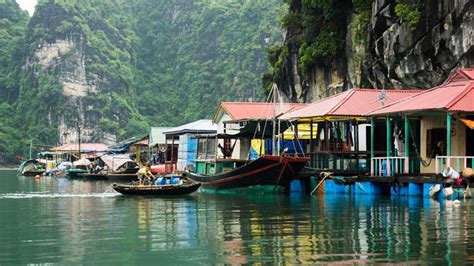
(84, 147)
(254, 110)
(455, 94)
(354, 102)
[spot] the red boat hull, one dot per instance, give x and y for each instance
(266, 170)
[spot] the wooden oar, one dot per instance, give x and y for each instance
(326, 175)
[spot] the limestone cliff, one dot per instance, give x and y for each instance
(391, 45)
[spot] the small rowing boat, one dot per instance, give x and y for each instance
(154, 190)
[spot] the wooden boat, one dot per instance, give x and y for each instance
(154, 190)
(30, 168)
(266, 170)
(108, 176)
(74, 172)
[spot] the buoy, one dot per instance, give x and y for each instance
(37, 177)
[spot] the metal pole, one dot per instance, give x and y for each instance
(31, 146)
(79, 139)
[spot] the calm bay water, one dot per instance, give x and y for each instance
(72, 221)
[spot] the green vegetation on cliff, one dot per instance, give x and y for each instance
(118, 67)
(316, 32)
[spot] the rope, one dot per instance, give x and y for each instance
(256, 130)
(423, 162)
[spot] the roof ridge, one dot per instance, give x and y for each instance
(401, 100)
(388, 90)
(456, 99)
(344, 99)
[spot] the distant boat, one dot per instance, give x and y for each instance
(30, 168)
(115, 167)
(160, 190)
(266, 170)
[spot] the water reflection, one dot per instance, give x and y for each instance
(84, 225)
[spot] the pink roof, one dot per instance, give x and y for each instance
(254, 110)
(456, 94)
(84, 147)
(354, 102)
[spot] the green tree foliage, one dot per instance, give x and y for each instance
(154, 63)
(409, 14)
(13, 23)
(317, 30)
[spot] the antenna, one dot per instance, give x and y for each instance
(382, 96)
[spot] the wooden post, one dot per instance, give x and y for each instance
(296, 140)
(372, 149)
(326, 139)
(407, 145)
(356, 136)
(311, 141)
(407, 138)
(137, 155)
(356, 144)
(172, 150)
(389, 137)
(448, 136)
(326, 135)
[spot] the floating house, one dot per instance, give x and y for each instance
(183, 151)
(238, 122)
(135, 147)
(445, 118)
(340, 130)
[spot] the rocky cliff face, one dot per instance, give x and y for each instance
(396, 51)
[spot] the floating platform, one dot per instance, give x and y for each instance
(403, 185)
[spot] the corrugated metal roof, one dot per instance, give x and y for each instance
(157, 136)
(203, 126)
(354, 102)
(254, 110)
(84, 147)
(455, 94)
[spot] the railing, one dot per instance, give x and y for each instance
(389, 166)
(343, 162)
(454, 161)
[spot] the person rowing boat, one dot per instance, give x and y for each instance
(144, 174)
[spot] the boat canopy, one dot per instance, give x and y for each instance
(115, 161)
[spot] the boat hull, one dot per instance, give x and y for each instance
(122, 177)
(32, 173)
(266, 170)
(166, 190)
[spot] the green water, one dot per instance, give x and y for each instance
(56, 220)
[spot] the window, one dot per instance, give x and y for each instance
(436, 142)
(206, 149)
